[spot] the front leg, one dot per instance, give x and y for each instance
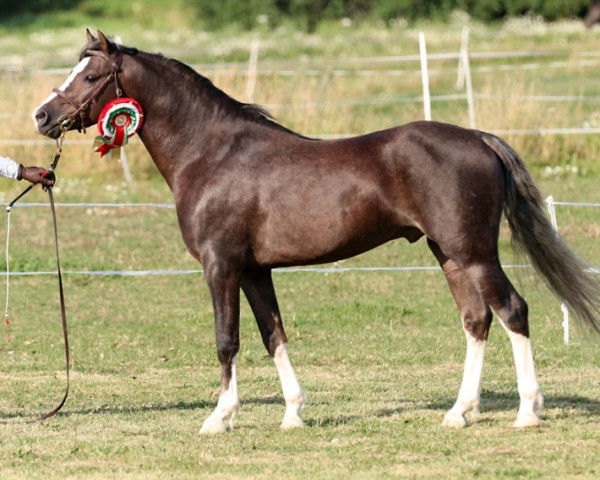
(228, 405)
(225, 291)
(260, 292)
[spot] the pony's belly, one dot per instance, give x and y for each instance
(298, 249)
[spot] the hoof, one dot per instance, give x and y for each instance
(291, 422)
(212, 425)
(453, 420)
(527, 421)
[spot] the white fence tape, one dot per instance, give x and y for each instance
(334, 269)
(322, 270)
(325, 270)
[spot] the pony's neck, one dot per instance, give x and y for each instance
(185, 115)
(181, 110)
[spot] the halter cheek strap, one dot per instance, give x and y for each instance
(81, 108)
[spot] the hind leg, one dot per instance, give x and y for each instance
(476, 318)
(499, 293)
(260, 292)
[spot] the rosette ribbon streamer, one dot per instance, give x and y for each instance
(120, 119)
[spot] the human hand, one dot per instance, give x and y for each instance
(37, 175)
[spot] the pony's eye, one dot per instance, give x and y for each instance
(91, 78)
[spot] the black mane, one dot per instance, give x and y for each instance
(249, 111)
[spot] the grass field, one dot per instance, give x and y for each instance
(380, 354)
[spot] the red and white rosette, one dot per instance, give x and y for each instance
(120, 119)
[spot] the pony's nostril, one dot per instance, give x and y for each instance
(41, 117)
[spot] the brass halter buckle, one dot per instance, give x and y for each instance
(65, 122)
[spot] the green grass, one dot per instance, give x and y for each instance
(380, 366)
(380, 355)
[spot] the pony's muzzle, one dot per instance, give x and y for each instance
(45, 125)
(41, 119)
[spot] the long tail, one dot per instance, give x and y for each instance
(566, 275)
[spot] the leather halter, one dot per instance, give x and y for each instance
(68, 120)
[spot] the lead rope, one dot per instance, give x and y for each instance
(7, 257)
(63, 312)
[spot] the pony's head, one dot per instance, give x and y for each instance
(93, 82)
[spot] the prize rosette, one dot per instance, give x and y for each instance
(119, 119)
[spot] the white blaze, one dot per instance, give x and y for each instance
(76, 71)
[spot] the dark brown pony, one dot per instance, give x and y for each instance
(252, 195)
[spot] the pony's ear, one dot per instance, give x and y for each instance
(90, 37)
(105, 44)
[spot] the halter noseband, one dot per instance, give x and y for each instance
(67, 120)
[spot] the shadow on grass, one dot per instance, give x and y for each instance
(136, 409)
(500, 401)
(349, 419)
(112, 410)
(490, 402)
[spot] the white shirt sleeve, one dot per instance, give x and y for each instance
(8, 167)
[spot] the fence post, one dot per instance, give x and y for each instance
(124, 164)
(252, 70)
(563, 305)
(466, 68)
(425, 76)
(460, 73)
